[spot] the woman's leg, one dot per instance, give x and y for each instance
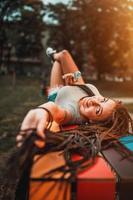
(56, 75)
(63, 64)
(67, 64)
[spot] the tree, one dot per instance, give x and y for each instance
(68, 32)
(22, 25)
(100, 27)
(110, 39)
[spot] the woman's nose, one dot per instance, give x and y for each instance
(95, 102)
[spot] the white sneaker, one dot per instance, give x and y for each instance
(50, 52)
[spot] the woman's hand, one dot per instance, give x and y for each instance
(73, 78)
(39, 119)
(35, 119)
(69, 78)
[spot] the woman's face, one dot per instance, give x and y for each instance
(96, 108)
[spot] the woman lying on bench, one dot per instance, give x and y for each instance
(72, 101)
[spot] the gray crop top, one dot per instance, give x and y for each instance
(68, 97)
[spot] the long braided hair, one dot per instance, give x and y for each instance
(86, 140)
(118, 123)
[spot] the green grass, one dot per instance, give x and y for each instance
(15, 102)
(115, 89)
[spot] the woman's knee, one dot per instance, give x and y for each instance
(64, 54)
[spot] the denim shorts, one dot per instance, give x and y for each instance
(52, 97)
(52, 94)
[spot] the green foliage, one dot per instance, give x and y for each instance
(96, 32)
(110, 36)
(100, 28)
(22, 26)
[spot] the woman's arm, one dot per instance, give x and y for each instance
(64, 70)
(39, 118)
(59, 114)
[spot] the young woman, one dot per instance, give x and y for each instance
(71, 101)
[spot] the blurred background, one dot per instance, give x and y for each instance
(98, 33)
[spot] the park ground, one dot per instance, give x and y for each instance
(16, 101)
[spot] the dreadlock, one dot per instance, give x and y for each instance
(119, 123)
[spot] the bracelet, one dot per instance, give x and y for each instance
(50, 117)
(77, 75)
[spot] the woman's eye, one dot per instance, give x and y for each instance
(104, 100)
(98, 110)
